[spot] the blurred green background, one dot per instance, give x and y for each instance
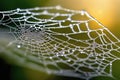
(105, 11)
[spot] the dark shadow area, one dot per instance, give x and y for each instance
(5, 70)
(13, 4)
(10, 72)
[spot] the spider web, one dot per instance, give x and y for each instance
(64, 42)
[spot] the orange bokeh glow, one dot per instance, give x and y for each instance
(102, 10)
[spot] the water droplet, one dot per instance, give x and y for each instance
(73, 50)
(69, 18)
(45, 12)
(28, 12)
(68, 60)
(37, 8)
(25, 19)
(58, 7)
(18, 46)
(57, 55)
(18, 9)
(82, 52)
(82, 13)
(110, 64)
(62, 55)
(50, 57)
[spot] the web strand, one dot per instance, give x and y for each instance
(67, 42)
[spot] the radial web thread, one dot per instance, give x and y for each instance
(63, 41)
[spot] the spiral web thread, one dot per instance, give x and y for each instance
(63, 41)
